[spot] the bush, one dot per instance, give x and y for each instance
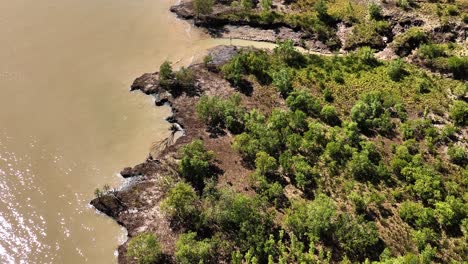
(191, 251)
(195, 164)
(203, 7)
(409, 40)
(218, 113)
(181, 203)
(311, 219)
(144, 248)
(459, 113)
(458, 155)
(416, 214)
(458, 66)
(396, 70)
(282, 80)
(431, 51)
(166, 74)
(371, 112)
(450, 212)
(375, 11)
(304, 101)
(234, 70)
(185, 79)
(355, 235)
(329, 115)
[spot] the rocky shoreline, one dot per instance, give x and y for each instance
(136, 206)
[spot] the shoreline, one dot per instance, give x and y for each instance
(127, 205)
(136, 206)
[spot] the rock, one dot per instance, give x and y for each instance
(147, 83)
(127, 172)
(108, 204)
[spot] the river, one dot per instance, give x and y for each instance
(68, 124)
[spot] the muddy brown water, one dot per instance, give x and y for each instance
(67, 121)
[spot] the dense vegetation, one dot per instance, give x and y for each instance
(357, 160)
(378, 167)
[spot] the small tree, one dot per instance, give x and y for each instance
(203, 7)
(459, 113)
(458, 155)
(375, 11)
(189, 250)
(166, 74)
(181, 203)
(144, 248)
(195, 164)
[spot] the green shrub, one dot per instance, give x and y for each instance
(458, 155)
(203, 7)
(458, 66)
(166, 74)
(181, 203)
(459, 113)
(218, 113)
(234, 70)
(409, 40)
(329, 115)
(185, 78)
(195, 164)
(144, 248)
(189, 250)
(304, 101)
(356, 235)
(311, 219)
(371, 112)
(431, 51)
(416, 214)
(424, 236)
(396, 70)
(375, 11)
(282, 80)
(451, 211)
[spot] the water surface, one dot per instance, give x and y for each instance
(67, 121)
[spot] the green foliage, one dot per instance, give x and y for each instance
(459, 113)
(431, 51)
(282, 80)
(371, 112)
(329, 115)
(416, 214)
(458, 155)
(181, 203)
(144, 248)
(189, 250)
(396, 70)
(234, 70)
(304, 101)
(195, 164)
(311, 220)
(424, 236)
(166, 74)
(409, 40)
(265, 164)
(458, 66)
(244, 219)
(218, 113)
(185, 79)
(451, 211)
(375, 11)
(203, 7)
(356, 235)
(266, 5)
(364, 165)
(287, 53)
